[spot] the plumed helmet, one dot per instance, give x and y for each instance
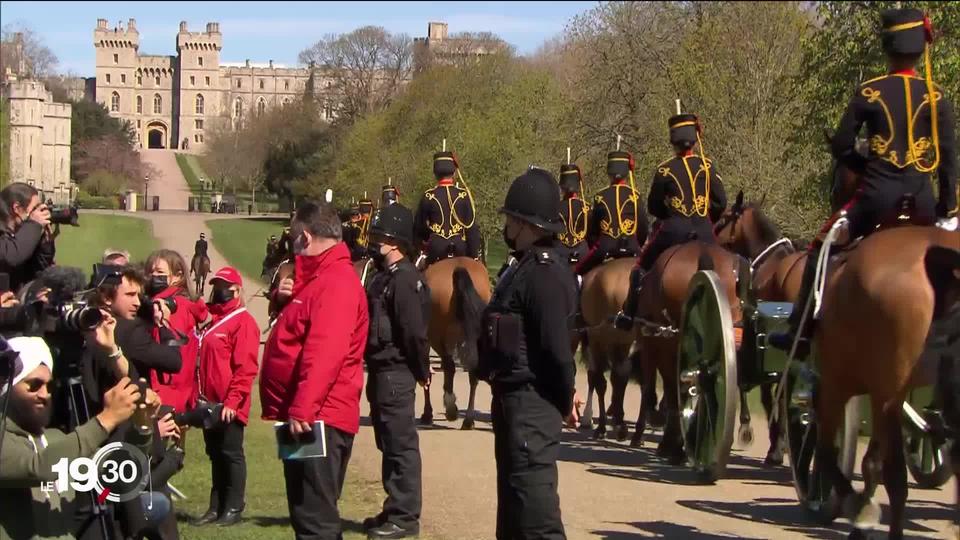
(619, 164)
(570, 177)
(394, 221)
(905, 31)
(534, 197)
(684, 129)
(444, 164)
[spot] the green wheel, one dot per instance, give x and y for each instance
(927, 452)
(814, 489)
(707, 363)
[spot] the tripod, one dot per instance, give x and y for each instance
(100, 512)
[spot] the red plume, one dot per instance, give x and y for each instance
(928, 28)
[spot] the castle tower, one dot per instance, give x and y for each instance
(200, 94)
(116, 67)
(26, 131)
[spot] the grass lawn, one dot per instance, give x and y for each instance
(266, 516)
(243, 242)
(192, 172)
(82, 246)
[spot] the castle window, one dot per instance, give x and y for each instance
(238, 83)
(201, 137)
(238, 108)
(108, 78)
(207, 81)
(261, 106)
(192, 81)
(156, 81)
(139, 80)
(199, 104)
(157, 104)
(139, 107)
(286, 85)
(31, 161)
(199, 60)
(327, 112)
(116, 58)
(198, 123)
(123, 79)
(261, 84)
(138, 124)
(115, 102)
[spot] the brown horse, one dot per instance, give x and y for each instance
(877, 313)
(459, 291)
(199, 268)
(662, 296)
(777, 269)
(602, 295)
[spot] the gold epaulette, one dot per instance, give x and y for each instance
(664, 162)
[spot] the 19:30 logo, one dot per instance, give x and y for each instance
(118, 472)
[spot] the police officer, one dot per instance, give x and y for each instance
(445, 219)
(575, 212)
(910, 139)
(397, 357)
(618, 226)
(200, 247)
(525, 356)
(686, 197)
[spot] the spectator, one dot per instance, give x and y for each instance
(26, 243)
(313, 366)
(116, 257)
(167, 280)
(29, 450)
(228, 366)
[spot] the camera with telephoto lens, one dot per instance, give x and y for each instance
(204, 415)
(73, 317)
(65, 216)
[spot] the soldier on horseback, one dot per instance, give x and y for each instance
(911, 137)
(445, 221)
(575, 212)
(618, 226)
(351, 233)
(200, 247)
(686, 197)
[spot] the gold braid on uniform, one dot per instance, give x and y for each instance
(473, 207)
(574, 235)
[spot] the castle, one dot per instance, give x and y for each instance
(172, 100)
(39, 139)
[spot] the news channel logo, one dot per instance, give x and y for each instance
(118, 472)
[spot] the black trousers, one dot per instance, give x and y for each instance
(526, 429)
(227, 465)
(605, 248)
(314, 486)
(439, 248)
(392, 396)
(672, 232)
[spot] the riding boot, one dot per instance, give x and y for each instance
(624, 320)
(784, 340)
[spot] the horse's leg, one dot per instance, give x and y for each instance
(599, 383)
(775, 453)
(586, 417)
(862, 510)
(671, 447)
(895, 472)
(426, 419)
(619, 378)
(469, 417)
(449, 369)
(648, 400)
(745, 430)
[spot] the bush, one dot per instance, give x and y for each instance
(102, 183)
(85, 200)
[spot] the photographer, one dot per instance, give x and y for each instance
(29, 450)
(228, 366)
(167, 288)
(26, 242)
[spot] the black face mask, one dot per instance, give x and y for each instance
(510, 242)
(157, 284)
(373, 251)
(221, 296)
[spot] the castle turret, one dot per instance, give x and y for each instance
(198, 60)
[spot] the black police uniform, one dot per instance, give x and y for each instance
(445, 217)
(397, 357)
(898, 114)
(525, 356)
(686, 197)
(618, 225)
(574, 212)
(200, 248)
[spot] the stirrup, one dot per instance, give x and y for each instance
(622, 321)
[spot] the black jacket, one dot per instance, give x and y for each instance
(616, 213)
(445, 211)
(682, 189)
(399, 304)
(25, 253)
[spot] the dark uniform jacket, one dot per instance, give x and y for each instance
(399, 305)
(445, 212)
(889, 106)
(576, 215)
(681, 189)
(525, 336)
(200, 248)
(616, 214)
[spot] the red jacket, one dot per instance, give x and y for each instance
(228, 357)
(313, 359)
(180, 389)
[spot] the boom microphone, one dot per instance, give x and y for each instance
(64, 283)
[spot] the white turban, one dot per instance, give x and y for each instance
(33, 353)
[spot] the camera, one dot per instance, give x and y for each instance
(79, 317)
(204, 415)
(67, 215)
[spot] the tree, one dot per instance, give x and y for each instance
(90, 120)
(24, 52)
(368, 67)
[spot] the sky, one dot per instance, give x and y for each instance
(278, 31)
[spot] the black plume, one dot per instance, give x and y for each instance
(64, 282)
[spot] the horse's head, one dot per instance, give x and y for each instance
(744, 229)
(728, 228)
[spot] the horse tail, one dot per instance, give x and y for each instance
(468, 308)
(705, 261)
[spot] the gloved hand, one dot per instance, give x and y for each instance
(950, 224)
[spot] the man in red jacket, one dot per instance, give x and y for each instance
(313, 366)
